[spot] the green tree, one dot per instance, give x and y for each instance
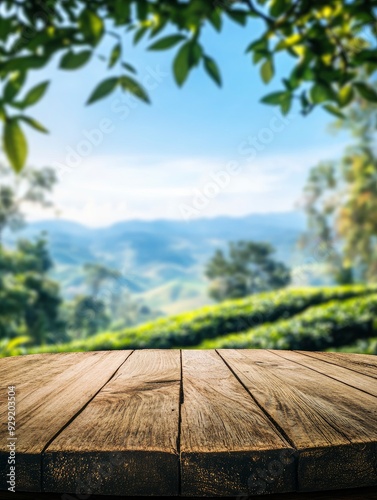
(329, 41)
(96, 275)
(86, 315)
(247, 269)
(30, 187)
(127, 310)
(110, 299)
(29, 300)
(340, 199)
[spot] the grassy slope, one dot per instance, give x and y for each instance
(331, 325)
(191, 329)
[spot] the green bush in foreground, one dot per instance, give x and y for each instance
(338, 323)
(190, 329)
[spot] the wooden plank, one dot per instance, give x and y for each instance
(14, 366)
(333, 426)
(125, 440)
(361, 363)
(47, 397)
(28, 373)
(226, 439)
(337, 372)
(351, 494)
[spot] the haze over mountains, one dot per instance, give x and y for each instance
(161, 261)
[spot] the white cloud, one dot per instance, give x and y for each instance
(106, 189)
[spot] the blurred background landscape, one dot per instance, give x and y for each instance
(207, 219)
(162, 262)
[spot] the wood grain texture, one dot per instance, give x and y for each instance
(125, 441)
(232, 422)
(361, 363)
(49, 393)
(227, 442)
(332, 426)
(351, 494)
(317, 363)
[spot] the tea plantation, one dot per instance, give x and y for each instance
(335, 318)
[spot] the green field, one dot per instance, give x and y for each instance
(303, 318)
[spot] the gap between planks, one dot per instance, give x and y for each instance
(75, 416)
(293, 356)
(184, 466)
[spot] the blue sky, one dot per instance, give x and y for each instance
(161, 160)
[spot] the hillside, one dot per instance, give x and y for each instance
(305, 318)
(162, 261)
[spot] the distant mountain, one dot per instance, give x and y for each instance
(161, 260)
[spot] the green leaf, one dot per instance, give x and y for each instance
(134, 87)
(333, 110)
(216, 20)
(15, 145)
(196, 53)
(212, 69)
(275, 98)
(286, 104)
(142, 10)
(282, 99)
(366, 91)
(181, 64)
(159, 26)
(345, 95)
(238, 16)
(5, 27)
(91, 25)
(365, 55)
(122, 11)
(103, 89)
(70, 60)
(139, 34)
(115, 55)
(289, 84)
(128, 67)
(33, 123)
(321, 93)
(258, 56)
(24, 63)
(289, 41)
(260, 44)
(17, 342)
(166, 42)
(267, 70)
(13, 86)
(278, 7)
(35, 94)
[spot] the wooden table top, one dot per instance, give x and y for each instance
(191, 423)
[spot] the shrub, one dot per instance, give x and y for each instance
(335, 324)
(232, 316)
(361, 346)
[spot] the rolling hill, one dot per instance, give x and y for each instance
(313, 318)
(161, 261)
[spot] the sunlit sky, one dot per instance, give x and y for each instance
(156, 161)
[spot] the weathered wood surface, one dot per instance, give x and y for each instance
(193, 423)
(349, 494)
(49, 394)
(225, 436)
(361, 363)
(125, 440)
(330, 424)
